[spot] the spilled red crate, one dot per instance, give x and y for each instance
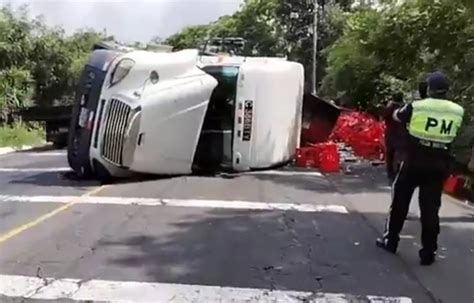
(453, 184)
(323, 155)
(362, 132)
(306, 157)
(329, 160)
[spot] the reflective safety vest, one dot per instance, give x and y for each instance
(435, 120)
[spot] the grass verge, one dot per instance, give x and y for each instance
(19, 134)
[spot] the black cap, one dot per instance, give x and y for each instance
(437, 83)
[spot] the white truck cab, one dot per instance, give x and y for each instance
(171, 113)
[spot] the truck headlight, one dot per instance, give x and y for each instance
(121, 70)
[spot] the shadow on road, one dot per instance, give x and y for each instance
(468, 218)
(6, 214)
(308, 183)
(53, 179)
(363, 178)
(275, 250)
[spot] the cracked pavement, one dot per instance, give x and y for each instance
(319, 252)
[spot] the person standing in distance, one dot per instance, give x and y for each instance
(395, 137)
(422, 90)
(432, 126)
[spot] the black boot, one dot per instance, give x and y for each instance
(389, 246)
(427, 257)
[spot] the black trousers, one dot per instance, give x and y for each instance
(392, 162)
(430, 181)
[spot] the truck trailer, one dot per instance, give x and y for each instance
(175, 113)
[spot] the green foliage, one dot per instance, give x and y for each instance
(273, 27)
(58, 62)
(255, 22)
(352, 70)
(38, 64)
(15, 38)
(390, 49)
(15, 90)
(18, 135)
(398, 44)
(295, 21)
(190, 37)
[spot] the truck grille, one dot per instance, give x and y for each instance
(116, 123)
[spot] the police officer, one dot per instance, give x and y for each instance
(432, 125)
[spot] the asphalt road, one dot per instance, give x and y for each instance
(267, 237)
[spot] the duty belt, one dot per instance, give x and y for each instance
(432, 144)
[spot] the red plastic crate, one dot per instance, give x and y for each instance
(453, 184)
(306, 157)
(329, 160)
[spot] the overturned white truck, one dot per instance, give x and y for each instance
(173, 113)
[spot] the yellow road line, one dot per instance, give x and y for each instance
(18, 230)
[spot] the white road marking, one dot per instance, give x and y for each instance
(285, 173)
(43, 154)
(115, 291)
(34, 170)
(226, 204)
